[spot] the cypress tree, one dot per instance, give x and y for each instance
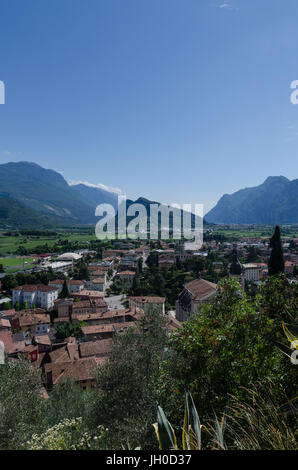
(65, 292)
(276, 263)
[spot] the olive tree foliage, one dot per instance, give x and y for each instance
(21, 403)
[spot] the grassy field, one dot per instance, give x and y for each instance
(255, 233)
(17, 263)
(9, 244)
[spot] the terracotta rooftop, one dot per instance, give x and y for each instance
(27, 319)
(148, 299)
(60, 355)
(127, 273)
(42, 339)
(98, 268)
(9, 345)
(88, 293)
(4, 323)
(70, 282)
(33, 288)
(200, 288)
(93, 348)
(82, 369)
(108, 328)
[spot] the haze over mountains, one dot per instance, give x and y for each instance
(273, 202)
(33, 196)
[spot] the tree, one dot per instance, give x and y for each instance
(140, 265)
(81, 271)
(227, 346)
(21, 403)
(64, 330)
(276, 262)
(9, 282)
(252, 255)
(136, 287)
(64, 294)
(278, 298)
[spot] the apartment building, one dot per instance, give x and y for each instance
(35, 296)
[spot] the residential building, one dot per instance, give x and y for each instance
(147, 302)
(73, 285)
(96, 284)
(126, 278)
(31, 322)
(289, 267)
(82, 371)
(193, 294)
(70, 307)
(35, 295)
(88, 294)
(252, 272)
(5, 324)
(106, 331)
(101, 348)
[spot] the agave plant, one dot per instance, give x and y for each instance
(191, 430)
(291, 332)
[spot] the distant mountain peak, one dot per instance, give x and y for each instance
(271, 179)
(273, 202)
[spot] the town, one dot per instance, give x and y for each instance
(148, 229)
(63, 311)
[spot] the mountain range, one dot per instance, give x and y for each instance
(34, 196)
(29, 193)
(273, 202)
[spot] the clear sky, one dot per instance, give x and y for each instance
(174, 100)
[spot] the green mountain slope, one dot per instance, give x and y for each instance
(44, 191)
(13, 214)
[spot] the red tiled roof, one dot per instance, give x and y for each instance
(88, 293)
(148, 299)
(108, 328)
(42, 339)
(43, 288)
(126, 273)
(201, 288)
(27, 319)
(33, 288)
(82, 369)
(93, 348)
(6, 338)
(4, 323)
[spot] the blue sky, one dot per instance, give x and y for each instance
(175, 100)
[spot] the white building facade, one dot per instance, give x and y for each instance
(35, 296)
